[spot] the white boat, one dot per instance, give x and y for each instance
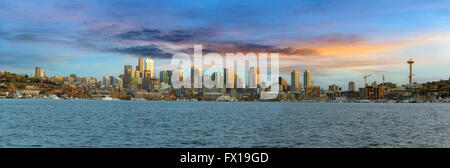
(404, 101)
(54, 97)
(107, 98)
(364, 101)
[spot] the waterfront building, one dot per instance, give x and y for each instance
(312, 92)
(370, 92)
(295, 81)
(334, 88)
(307, 79)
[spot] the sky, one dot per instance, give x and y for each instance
(338, 41)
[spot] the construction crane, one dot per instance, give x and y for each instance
(365, 78)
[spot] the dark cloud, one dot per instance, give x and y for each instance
(145, 51)
(188, 35)
(231, 47)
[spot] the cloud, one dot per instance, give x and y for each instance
(187, 35)
(234, 47)
(144, 51)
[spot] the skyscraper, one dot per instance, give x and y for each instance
(180, 72)
(295, 81)
(169, 74)
(217, 78)
(258, 76)
(37, 72)
(283, 84)
(147, 79)
(196, 77)
(140, 66)
(351, 86)
(128, 70)
(307, 79)
(149, 67)
(252, 77)
(229, 77)
(106, 82)
(164, 77)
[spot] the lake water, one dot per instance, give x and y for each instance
(94, 123)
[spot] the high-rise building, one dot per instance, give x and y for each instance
(149, 67)
(229, 76)
(111, 80)
(147, 79)
(240, 83)
(217, 79)
(253, 77)
(42, 74)
(106, 82)
(37, 72)
(164, 77)
(196, 77)
(128, 71)
(351, 86)
(169, 74)
(181, 73)
(258, 76)
(140, 66)
(307, 79)
(283, 84)
(295, 81)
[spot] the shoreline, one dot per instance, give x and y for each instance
(283, 101)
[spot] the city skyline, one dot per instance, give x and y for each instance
(92, 38)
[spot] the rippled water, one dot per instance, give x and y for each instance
(89, 123)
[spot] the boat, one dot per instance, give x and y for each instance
(107, 98)
(364, 101)
(54, 97)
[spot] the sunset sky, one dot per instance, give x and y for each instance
(338, 41)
